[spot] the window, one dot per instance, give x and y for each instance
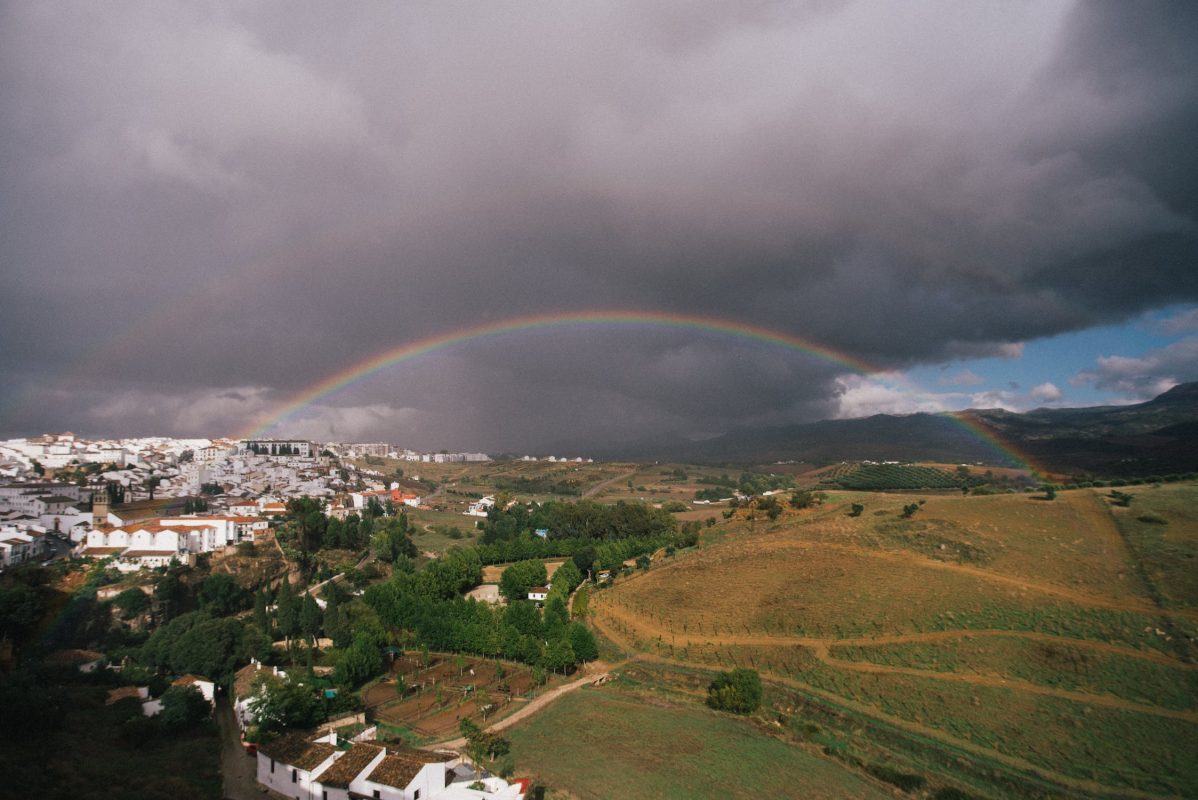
(376, 792)
(293, 776)
(272, 766)
(416, 795)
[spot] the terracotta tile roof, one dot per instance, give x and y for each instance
(398, 768)
(188, 680)
(243, 681)
(295, 750)
(347, 767)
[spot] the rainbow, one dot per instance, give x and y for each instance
(987, 436)
(605, 318)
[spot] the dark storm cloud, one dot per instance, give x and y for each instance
(206, 207)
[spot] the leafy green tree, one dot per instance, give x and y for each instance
(288, 609)
(311, 617)
(559, 655)
(802, 499)
(771, 507)
(332, 611)
(362, 661)
(195, 642)
(261, 615)
(220, 595)
(584, 558)
(582, 641)
(169, 595)
(738, 691)
(568, 575)
(523, 617)
(182, 708)
(520, 577)
(856, 510)
(556, 616)
(255, 643)
(282, 703)
(131, 602)
(20, 607)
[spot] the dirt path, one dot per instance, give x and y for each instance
(599, 487)
(533, 706)
(642, 625)
(239, 772)
(917, 729)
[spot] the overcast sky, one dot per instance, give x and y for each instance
(206, 207)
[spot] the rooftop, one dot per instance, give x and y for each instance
(243, 681)
(398, 768)
(347, 767)
(295, 750)
(188, 680)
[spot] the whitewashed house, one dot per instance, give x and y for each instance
(206, 687)
(244, 690)
(302, 767)
(287, 764)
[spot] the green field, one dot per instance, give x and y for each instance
(606, 743)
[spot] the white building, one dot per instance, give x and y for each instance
(19, 545)
(298, 766)
(206, 687)
(244, 690)
(480, 507)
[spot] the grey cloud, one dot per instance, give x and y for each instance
(1143, 377)
(201, 197)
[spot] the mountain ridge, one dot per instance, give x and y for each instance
(1158, 435)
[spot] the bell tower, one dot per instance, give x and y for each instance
(100, 506)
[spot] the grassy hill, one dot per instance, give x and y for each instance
(1006, 646)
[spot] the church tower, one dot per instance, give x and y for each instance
(100, 506)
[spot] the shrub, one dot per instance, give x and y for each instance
(738, 691)
(1153, 519)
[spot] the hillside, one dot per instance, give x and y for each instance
(1004, 645)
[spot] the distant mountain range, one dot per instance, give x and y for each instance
(1158, 436)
